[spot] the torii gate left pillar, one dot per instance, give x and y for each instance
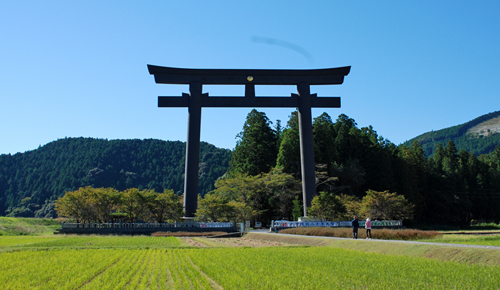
(195, 100)
(192, 149)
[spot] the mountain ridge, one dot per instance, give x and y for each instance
(478, 136)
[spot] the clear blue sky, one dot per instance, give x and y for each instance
(78, 68)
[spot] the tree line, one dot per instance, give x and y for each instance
(104, 205)
(354, 163)
(262, 178)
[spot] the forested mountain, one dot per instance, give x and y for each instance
(479, 136)
(31, 181)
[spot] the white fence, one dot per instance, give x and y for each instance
(336, 224)
(144, 225)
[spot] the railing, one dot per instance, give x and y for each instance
(335, 224)
(144, 225)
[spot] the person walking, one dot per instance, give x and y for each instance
(368, 227)
(355, 226)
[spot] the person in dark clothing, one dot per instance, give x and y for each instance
(355, 227)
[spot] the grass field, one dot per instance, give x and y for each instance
(121, 262)
(256, 261)
(235, 268)
(89, 242)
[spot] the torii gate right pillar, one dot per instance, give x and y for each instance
(306, 145)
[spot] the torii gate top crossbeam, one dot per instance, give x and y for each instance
(170, 75)
(249, 78)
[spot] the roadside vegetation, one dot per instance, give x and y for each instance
(383, 234)
(485, 226)
(483, 239)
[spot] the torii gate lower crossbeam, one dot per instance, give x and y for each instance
(195, 100)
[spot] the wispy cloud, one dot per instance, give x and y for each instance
(285, 44)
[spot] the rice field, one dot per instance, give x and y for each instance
(95, 262)
(90, 242)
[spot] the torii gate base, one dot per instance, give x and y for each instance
(195, 100)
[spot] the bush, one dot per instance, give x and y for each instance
(384, 234)
(187, 234)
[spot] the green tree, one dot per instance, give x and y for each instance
(289, 150)
(214, 207)
(240, 212)
(239, 187)
(450, 160)
(269, 195)
(88, 205)
(297, 208)
(256, 148)
(414, 174)
(324, 138)
(280, 189)
(383, 205)
(164, 206)
(352, 206)
(73, 205)
(327, 206)
(133, 205)
(342, 143)
(105, 201)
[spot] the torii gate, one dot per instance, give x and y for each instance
(195, 100)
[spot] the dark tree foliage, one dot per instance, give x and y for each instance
(452, 186)
(256, 148)
(289, 149)
(30, 182)
(324, 137)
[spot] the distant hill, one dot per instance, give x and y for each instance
(30, 182)
(479, 136)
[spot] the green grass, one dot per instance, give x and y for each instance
(235, 268)
(484, 240)
(330, 268)
(143, 262)
(27, 226)
(89, 242)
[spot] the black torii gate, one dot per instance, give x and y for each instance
(195, 100)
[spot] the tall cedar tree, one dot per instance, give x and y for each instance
(324, 137)
(289, 150)
(256, 149)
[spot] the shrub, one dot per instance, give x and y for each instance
(186, 234)
(384, 234)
